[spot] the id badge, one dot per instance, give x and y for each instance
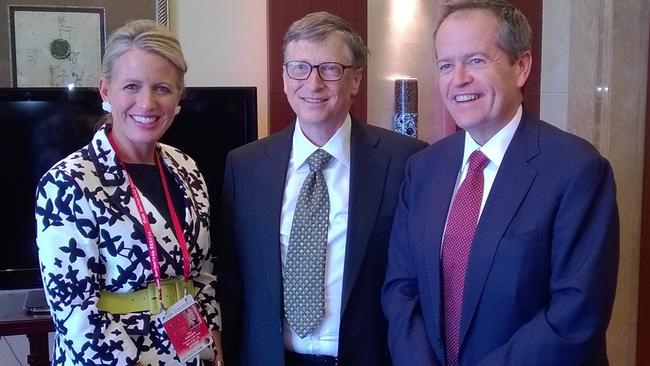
(186, 329)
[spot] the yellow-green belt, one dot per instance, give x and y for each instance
(145, 299)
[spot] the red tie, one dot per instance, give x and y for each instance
(456, 246)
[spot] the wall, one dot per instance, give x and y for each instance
(555, 62)
(225, 43)
(643, 324)
(594, 65)
(400, 39)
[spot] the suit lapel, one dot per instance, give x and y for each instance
(187, 182)
(368, 168)
(115, 188)
(273, 174)
(509, 189)
(114, 184)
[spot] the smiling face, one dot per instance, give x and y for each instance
(321, 105)
(479, 84)
(143, 93)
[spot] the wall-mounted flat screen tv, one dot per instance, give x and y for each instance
(40, 126)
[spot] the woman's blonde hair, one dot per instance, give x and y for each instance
(146, 35)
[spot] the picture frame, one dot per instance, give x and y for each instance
(54, 46)
(53, 43)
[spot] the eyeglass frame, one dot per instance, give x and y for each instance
(317, 67)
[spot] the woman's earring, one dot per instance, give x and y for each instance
(177, 110)
(107, 106)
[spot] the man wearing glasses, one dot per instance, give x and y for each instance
(307, 214)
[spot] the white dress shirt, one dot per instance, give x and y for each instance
(323, 340)
(494, 149)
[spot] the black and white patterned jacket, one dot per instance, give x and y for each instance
(91, 239)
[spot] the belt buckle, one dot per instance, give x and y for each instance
(184, 288)
(179, 289)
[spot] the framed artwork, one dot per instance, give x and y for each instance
(54, 43)
(55, 46)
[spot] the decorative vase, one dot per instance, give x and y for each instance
(405, 119)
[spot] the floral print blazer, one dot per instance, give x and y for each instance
(91, 239)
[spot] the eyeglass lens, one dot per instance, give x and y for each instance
(328, 71)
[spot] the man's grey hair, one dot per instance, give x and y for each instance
(315, 27)
(515, 35)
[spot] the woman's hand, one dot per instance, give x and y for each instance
(218, 352)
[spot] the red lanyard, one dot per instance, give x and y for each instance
(151, 239)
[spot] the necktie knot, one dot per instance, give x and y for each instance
(478, 161)
(318, 160)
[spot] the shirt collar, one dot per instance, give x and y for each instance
(338, 145)
(495, 148)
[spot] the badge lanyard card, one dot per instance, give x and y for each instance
(183, 323)
(185, 327)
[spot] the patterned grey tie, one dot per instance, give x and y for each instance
(304, 274)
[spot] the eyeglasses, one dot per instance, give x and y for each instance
(328, 71)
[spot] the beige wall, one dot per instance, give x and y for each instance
(554, 86)
(225, 43)
(400, 39)
(594, 65)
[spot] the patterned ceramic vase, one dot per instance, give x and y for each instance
(405, 119)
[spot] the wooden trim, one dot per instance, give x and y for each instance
(643, 324)
(533, 10)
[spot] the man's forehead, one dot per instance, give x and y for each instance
(473, 33)
(482, 17)
(319, 41)
(471, 13)
(333, 45)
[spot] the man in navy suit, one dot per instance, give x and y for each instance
(324, 60)
(535, 284)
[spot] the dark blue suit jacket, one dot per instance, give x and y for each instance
(542, 271)
(249, 259)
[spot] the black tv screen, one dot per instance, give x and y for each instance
(40, 126)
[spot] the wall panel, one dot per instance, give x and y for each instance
(643, 327)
